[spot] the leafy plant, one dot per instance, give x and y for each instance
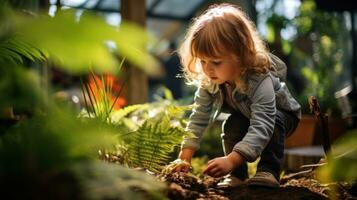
(99, 98)
(148, 132)
(59, 157)
(153, 131)
(50, 153)
(152, 143)
(342, 161)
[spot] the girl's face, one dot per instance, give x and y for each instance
(221, 69)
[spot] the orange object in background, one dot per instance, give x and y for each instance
(113, 88)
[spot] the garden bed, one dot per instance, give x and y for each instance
(293, 186)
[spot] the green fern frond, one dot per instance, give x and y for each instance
(177, 110)
(152, 143)
(8, 55)
(14, 50)
(117, 115)
(153, 131)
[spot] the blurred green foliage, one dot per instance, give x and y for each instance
(52, 156)
(316, 52)
(111, 181)
(47, 152)
(76, 46)
(20, 88)
(211, 145)
(342, 160)
(56, 133)
(199, 164)
(320, 54)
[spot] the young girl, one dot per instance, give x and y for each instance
(224, 57)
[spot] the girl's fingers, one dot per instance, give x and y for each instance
(177, 169)
(210, 161)
(217, 174)
(209, 167)
(183, 169)
(214, 171)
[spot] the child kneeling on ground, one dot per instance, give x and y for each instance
(224, 57)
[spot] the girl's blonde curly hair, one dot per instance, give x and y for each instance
(223, 29)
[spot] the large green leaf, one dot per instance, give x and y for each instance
(80, 45)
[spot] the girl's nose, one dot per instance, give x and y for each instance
(208, 67)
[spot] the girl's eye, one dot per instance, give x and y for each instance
(216, 62)
(203, 62)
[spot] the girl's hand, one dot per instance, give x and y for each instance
(223, 165)
(219, 167)
(179, 165)
(183, 163)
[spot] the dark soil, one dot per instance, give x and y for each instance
(301, 185)
(290, 192)
(304, 186)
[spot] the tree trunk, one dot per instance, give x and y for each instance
(137, 86)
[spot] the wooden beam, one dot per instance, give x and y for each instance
(137, 86)
(134, 11)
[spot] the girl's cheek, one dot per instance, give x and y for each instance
(204, 70)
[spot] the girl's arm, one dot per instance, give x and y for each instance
(262, 122)
(186, 154)
(221, 166)
(184, 160)
(198, 119)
